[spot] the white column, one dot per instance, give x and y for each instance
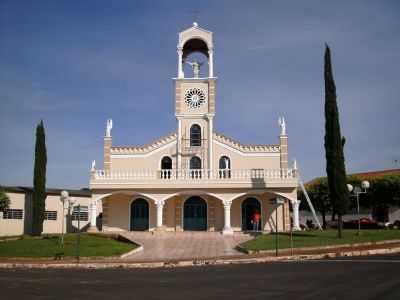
(160, 206)
(179, 147)
(211, 63)
(210, 143)
(180, 66)
(93, 217)
(227, 218)
(296, 221)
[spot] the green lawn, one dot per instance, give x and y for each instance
(48, 246)
(319, 238)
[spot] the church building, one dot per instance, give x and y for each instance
(195, 179)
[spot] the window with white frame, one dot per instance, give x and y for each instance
(50, 215)
(81, 214)
(13, 214)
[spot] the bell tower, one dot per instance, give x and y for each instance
(195, 99)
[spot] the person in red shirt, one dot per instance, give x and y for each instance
(256, 220)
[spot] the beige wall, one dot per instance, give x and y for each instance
(150, 161)
(239, 161)
(116, 212)
(10, 226)
(268, 217)
(53, 203)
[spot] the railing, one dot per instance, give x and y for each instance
(196, 174)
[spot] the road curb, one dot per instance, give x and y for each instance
(190, 263)
(244, 250)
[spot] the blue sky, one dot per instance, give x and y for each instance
(76, 63)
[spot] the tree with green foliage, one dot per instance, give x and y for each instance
(4, 201)
(39, 181)
(334, 143)
(319, 196)
(383, 193)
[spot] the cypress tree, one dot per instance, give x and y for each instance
(39, 181)
(334, 143)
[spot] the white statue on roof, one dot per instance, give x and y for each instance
(93, 168)
(109, 127)
(282, 124)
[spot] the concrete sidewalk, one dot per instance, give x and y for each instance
(163, 246)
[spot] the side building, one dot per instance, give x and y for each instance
(17, 219)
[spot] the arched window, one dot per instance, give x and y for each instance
(195, 167)
(166, 166)
(195, 135)
(224, 167)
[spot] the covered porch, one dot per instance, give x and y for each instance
(225, 211)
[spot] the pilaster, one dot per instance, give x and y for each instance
(211, 95)
(105, 212)
(178, 214)
(211, 214)
(107, 153)
(283, 141)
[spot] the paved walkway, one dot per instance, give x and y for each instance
(184, 245)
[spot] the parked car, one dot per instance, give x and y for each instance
(365, 223)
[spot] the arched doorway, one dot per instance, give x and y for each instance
(139, 215)
(195, 214)
(249, 207)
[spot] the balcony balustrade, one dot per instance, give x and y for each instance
(195, 175)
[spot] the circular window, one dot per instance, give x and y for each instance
(195, 97)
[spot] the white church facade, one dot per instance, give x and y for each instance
(194, 179)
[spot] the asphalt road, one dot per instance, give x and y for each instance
(375, 277)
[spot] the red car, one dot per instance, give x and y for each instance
(364, 222)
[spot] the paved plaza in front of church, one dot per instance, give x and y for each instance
(164, 246)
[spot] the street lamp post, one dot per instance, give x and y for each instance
(65, 198)
(357, 191)
(277, 201)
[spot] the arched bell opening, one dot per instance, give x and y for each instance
(195, 56)
(194, 45)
